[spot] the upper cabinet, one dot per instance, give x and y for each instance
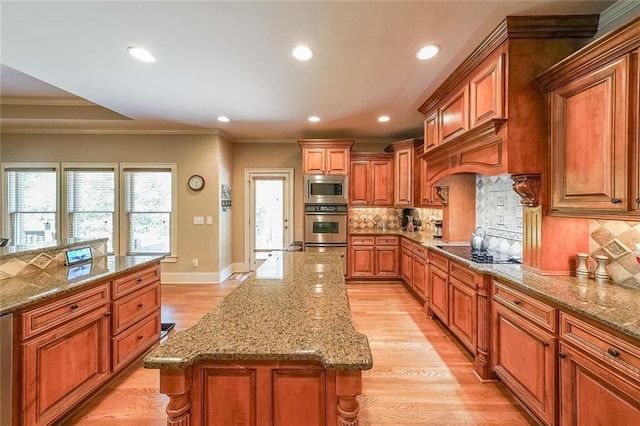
(371, 179)
(490, 116)
(405, 168)
(594, 147)
(325, 156)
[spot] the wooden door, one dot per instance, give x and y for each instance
(313, 160)
(337, 161)
(438, 283)
(592, 394)
(387, 261)
(524, 358)
(486, 92)
(406, 268)
(431, 131)
(359, 183)
(589, 141)
(63, 366)
(381, 183)
(463, 315)
(404, 177)
(361, 261)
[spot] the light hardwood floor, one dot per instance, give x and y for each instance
(421, 375)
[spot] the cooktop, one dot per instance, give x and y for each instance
(480, 256)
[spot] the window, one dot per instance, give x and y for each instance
(148, 212)
(31, 203)
(90, 202)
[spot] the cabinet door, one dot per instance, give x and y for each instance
(337, 161)
(313, 160)
(387, 261)
(454, 116)
(361, 261)
(592, 394)
(589, 141)
(381, 183)
(431, 131)
(63, 366)
(463, 316)
(438, 281)
(419, 275)
(486, 92)
(406, 267)
(428, 196)
(404, 177)
(524, 358)
(359, 183)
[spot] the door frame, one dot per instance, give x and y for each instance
(249, 174)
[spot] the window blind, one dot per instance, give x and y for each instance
(91, 204)
(148, 205)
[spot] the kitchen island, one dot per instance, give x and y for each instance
(280, 349)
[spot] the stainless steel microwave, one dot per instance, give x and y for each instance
(320, 189)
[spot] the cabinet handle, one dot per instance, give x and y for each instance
(517, 302)
(616, 200)
(562, 355)
(107, 314)
(545, 344)
(140, 305)
(140, 336)
(613, 352)
(139, 279)
(75, 306)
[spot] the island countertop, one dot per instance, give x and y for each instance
(293, 308)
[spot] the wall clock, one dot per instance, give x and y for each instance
(196, 182)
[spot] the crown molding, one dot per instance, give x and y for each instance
(47, 101)
(61, 131)
(616, 11)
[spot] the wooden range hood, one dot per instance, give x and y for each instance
(490, 116)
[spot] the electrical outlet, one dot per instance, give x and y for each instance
(194, 263)
(209, 220)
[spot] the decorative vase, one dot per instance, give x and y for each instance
(601, 271)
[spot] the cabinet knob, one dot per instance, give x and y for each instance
(545, 344)
(613, 352)
(140, 336)
(107, 314)
(139, 279)
(616, 200)
(517, 302)
(562, 355)
(75, 306)
(140, 305)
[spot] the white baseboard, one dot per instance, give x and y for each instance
(202, 277)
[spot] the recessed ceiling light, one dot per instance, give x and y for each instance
(302, 53)
(141, 54)
(314, 119)
(383, 118)
(223, 119)
(428, 52)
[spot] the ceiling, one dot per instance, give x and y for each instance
(233, 58)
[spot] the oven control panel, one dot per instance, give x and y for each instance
(325, 208)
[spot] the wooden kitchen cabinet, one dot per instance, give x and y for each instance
(439, 286)
(428, 196)
(594, 116)
(371, 179)
(524, 348)
(406, 171)
(420, 269)
(374, 257)
(407, 266)
(453, 115)
(431, 133)
(599, 381)
(65, 362)
(486, 91)
(463, 315)
(325, 156)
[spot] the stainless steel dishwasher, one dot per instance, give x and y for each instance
(6, 367)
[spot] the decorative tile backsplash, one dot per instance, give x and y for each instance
(616, 239)
(499, 213)
(370, 217)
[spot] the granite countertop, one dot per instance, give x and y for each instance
(610, 304)
(293, 308)
(24, 290)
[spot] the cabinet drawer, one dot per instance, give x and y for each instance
(55, 313)
(408, 244)
(134, 281)
(439, 261)
(530, 308)
(420, 251)
(386, 241)
(135, 306)
(462, 273)
(362, 241)
(133, 342)
(602, 345)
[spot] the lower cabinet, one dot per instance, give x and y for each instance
(439, 286)
(599, 376)
(420, 269)
(463, 315)
(374, 257)
(406, 267)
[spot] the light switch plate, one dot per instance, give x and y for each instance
(198, 220)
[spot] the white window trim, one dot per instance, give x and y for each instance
(170, 258)
(63, 196)
(5, 190)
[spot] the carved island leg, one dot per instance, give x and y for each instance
(176, 384)
(348, 387)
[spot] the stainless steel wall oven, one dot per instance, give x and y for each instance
(326, 229)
